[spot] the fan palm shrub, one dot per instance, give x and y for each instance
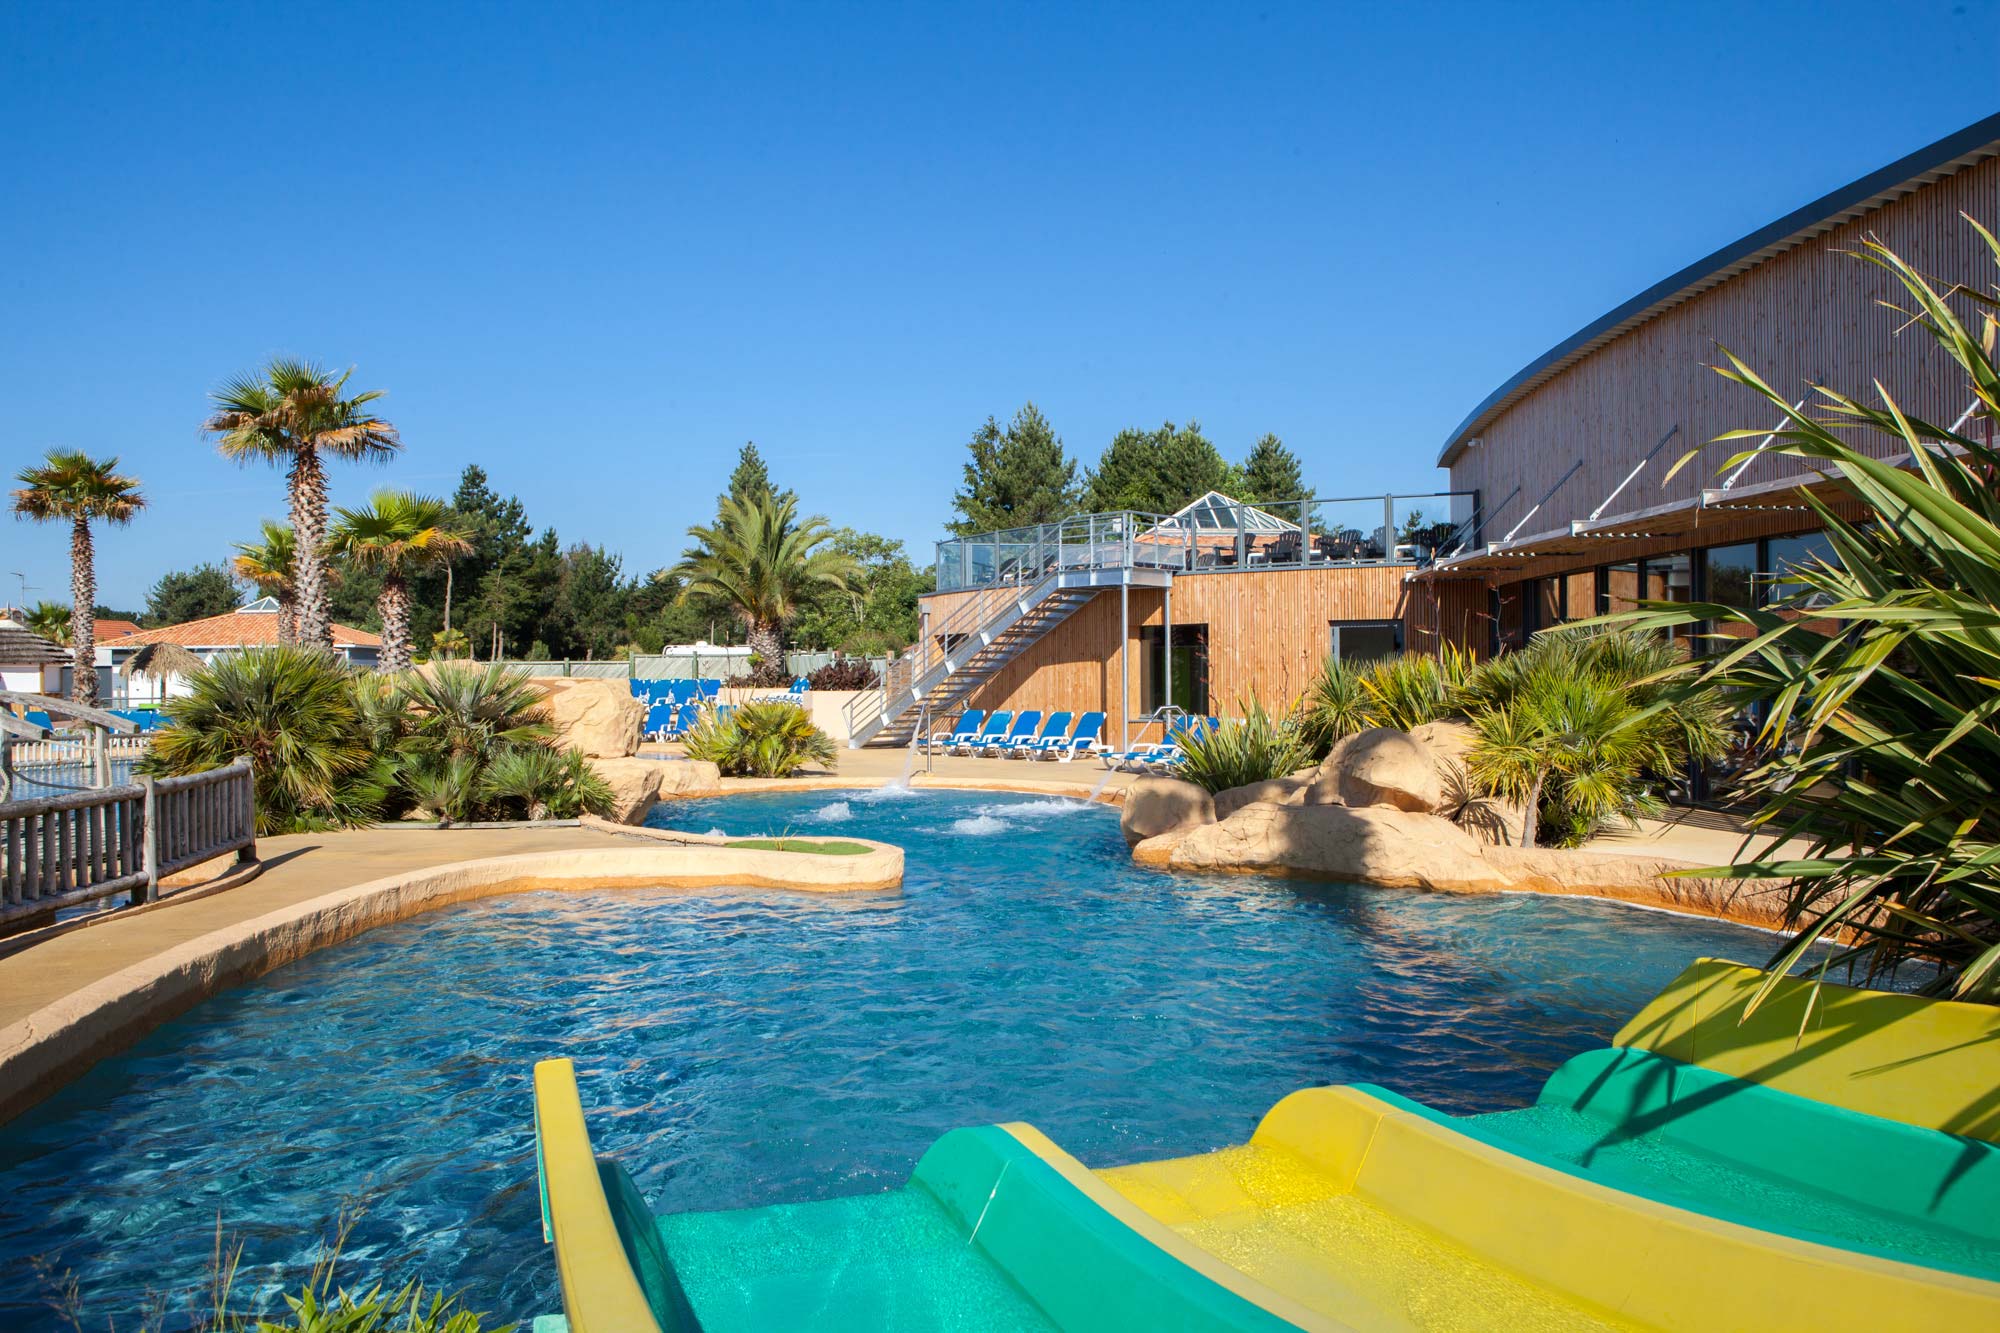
(1881, 733)
(298, 414)
(1404, 691)
(74, 488)
(543, 783)
(761, 740)
(291, 712)
(1234, 753)
(51, 620)
(269, 565)
(398, 534)
(762, 559)
(1577, 726)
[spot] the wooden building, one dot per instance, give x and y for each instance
(1571, 457)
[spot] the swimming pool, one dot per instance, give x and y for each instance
(748, 1048)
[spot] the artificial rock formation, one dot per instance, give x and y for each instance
(1163, 805)
(598, 717)
(1383, 766)
(1373, 845)
(1276, 791)
(638, 784)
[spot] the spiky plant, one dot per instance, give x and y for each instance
(1414, 688)
(270, 565)
(762, 559)
(291, 712)
(445, 787)
(462, 709)
(1578, 726)
(763, 740)
(71, 487)
(1337, 706)
(398, 534)
(298, 414)
(51, 620)
(1234, 753)
(545, 783)
(1881, 732)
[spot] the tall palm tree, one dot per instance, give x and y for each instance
(270, 566)
(763, 559)
(51, 620)
(72, 486)
(398, 534)
(297, 412)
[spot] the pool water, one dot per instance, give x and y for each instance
(756, 1047)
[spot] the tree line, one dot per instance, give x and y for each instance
(1020, 473)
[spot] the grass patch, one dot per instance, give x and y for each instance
(810, 846)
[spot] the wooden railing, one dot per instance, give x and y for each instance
(61, 851)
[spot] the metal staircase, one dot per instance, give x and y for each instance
(982, 636)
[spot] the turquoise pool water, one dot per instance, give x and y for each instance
(753, 1048)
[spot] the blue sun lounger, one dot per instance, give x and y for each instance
(1023, 730)
(996, 727)
(1062, 749)
(1020, 747)
(961, 732)
(1162, 752)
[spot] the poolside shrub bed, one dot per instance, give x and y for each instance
(761, 740)
(1238, 752)
(333, 747)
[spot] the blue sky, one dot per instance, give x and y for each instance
(595, 249)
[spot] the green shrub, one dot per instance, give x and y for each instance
(1235, 753)
(1404, 691)
(761, 740)
(292, 712)
(1576, 727)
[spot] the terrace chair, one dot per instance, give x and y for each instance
(660, 721)
(1149, 752)
(1021, 732)
(1062, 749)
(961, 732)
(1053, 729)
(996, 726)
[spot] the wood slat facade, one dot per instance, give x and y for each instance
(1268, 631)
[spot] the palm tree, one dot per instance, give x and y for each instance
(762, 559)
(73, 486)
(268, 565)
(398, 534)
(51, 620)
(297, 412)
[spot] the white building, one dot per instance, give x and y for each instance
(29, 663)
(252, 626)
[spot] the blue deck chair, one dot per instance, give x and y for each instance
(996, 726)
(961, 732)
(1055, 729)
(1020, 733)
(35, 717)
(1086, 738)
(1143, 754)
(660, 721)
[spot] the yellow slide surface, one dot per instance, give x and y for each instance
(1376, 1218)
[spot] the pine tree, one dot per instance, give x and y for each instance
(1271, 473)
(1159, 471)
(1016, 476)
(751, 480)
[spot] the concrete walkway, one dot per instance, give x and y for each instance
(297, 867)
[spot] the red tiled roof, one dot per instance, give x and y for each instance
(115, 629)
(237, 629)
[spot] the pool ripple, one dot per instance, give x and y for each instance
(740, 1048)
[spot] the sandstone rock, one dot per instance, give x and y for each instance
(1275, 790)
(598, 717)
(1491, 820)
(1159, 850)
(1374, 845)
(1383, 766)
(688, 777)
(1449, 741)
(1641, 879)
(1323, 788)
(1160, 805)
(635, 786)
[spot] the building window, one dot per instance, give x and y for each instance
(1731, 574)
(1190, 668)
(1365, 640)
(1782, 555)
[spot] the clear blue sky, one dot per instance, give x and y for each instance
(596, 250)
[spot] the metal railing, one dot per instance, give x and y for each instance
(62, 851)
(1220, 536)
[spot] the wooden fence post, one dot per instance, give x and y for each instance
(247, 854)
(149, 839)
(100, 756)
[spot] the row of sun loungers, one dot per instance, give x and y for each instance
(1162, 756)
(1026, 735)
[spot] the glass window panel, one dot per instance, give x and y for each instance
(1731, 574)
(1785, 554)
(1366, 640)
(1621, 587)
